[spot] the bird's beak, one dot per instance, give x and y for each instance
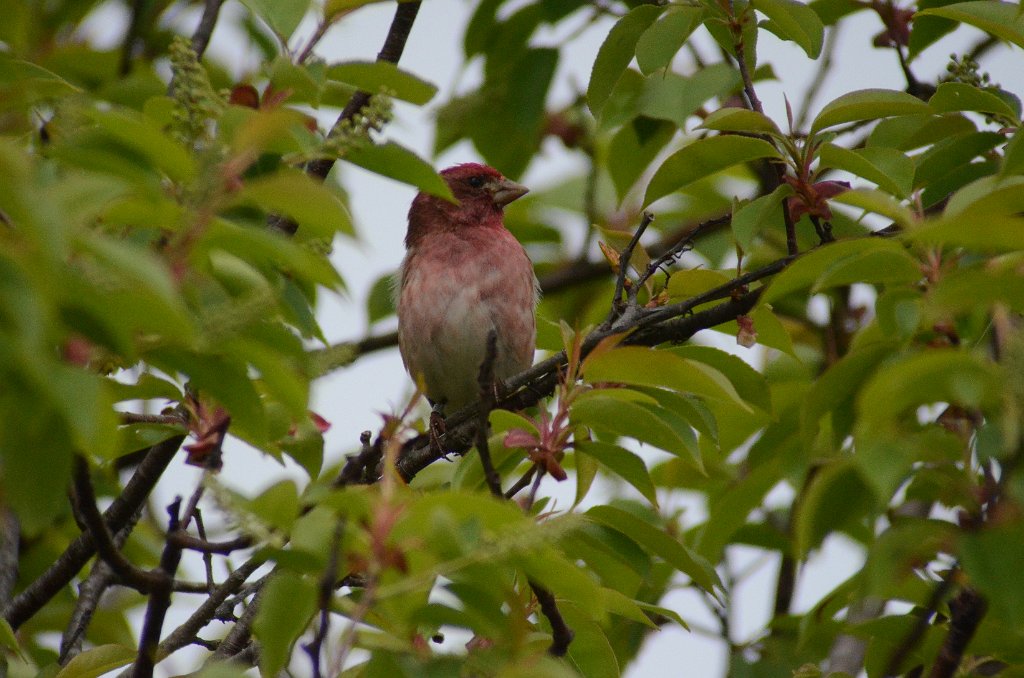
(506, 190)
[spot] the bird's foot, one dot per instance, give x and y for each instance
(437, 428)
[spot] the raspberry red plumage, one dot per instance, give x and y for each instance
(464, 274)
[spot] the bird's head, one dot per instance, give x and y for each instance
(481, 193)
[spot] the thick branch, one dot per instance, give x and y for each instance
(77, 554)
(561, 634)
(968, 609)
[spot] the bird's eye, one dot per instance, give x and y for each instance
(475, 182)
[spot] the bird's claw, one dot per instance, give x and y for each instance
(437, 428)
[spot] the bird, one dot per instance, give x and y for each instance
(464, 276)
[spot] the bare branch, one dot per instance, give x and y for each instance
(159, 599)
(391, 52)
(77, 554)
(184, 634)
(85, 500)
(201, 37)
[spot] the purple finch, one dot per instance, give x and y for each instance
(464, 275)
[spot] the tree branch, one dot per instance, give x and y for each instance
(201, 37)
(326, 594)
(77, 554)
(85, 500)
(205, 613)
(391, 52)
(159, 599)
(967, 609)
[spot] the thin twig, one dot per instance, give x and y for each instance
(239, 638)
(159, 599)
(326, 595)
(201, 37)
(685, 244)
(135, 418)
(624, 263)
(187, 541)
(204, 614)
(486, 382)
(207, 555)
(90, 592)
(521, 483)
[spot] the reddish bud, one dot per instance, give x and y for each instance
(244, 95)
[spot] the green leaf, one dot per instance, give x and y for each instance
(1013, 157)
(633, 148)
(703, 158)
(696, 281)
(750, 384)
(283, 16)
(294, 194)
(641, 366)
(380, 302)
(959, 96)
(739, 120)
(8, 639)
(624, 464)
(947, 376)
(287, 603)
(616, 52)
(399, 163)
(927, 30)
(658, 44)
(1002, 19)
(878, 202)
(952, 154)
(752, 218)
(891, 170)
(97, 661)
(991, 559)
(867, 104)
(910, 132)
(728, 511)
(870, 260)
(795, 21)
(375, 76)
(987, 196)
(611, 412)
(657, 542)
(985, 233)
(590, 651)
(670, 96)
(144, 136)
(835, 391)
(836, 499)
(332, 8)
(135, 437)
